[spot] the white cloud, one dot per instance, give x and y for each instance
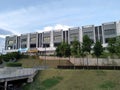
(56, 27)
(59, 26)
(26, 19)
(3, 36)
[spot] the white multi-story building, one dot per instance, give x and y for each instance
(46, 42)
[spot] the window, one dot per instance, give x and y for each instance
(107, 39)
(56, 44)
(24, 40)
(10, 47)
(74, 35)
(32, 45)
(10, 42)
(57, 37)
(46, 45)
(109, 31)
(33, 39)
(89, 34)
(23, 46)
(46, 39)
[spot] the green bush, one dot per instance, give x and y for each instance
(1, 61)
(105, 55)
(24, 56)
(14, 64)
(33, 57)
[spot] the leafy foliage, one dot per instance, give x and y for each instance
(10, 56)
(63, 50)
(98, 49)
(117, 49)
(112, 45)
(14, 64)
(86, 45)
(75, 48)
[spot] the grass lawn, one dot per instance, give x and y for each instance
(31, 62)
(55, 63)
(55, 79)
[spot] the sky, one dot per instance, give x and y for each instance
(25, 16)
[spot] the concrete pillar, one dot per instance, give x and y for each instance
(51, 39)
(5, 85)
(94, 34)
(28, 40)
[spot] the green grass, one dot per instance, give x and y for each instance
(50, 82)
(31, 62)
(55, 79)
(108, 84)
(58, 79)
(55, 63)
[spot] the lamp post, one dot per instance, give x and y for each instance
(45, 55)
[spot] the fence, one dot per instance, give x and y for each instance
(86, 61)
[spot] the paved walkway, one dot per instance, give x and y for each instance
(10, 73)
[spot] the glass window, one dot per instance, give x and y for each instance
(24, 40)
(56, 44)
(23, 46)
(57, 37)
(89, 34)
(10, 42)
(33, 39)
(32, 45)
(46, 39)
(75, 35)
(109, 31)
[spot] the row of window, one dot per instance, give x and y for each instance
(74, 35)
(109, 32)
(46, 39)
(90, 33)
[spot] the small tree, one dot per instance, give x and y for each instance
(58, 51)
(75, 48)
(86, 46)
(63, 50)
(117, 46)
(87, 43)
(112, 46)
(67, 50)
(98, 49)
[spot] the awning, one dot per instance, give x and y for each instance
(33, 50)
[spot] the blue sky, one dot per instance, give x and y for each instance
(24, 16)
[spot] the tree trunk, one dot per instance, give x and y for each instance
(83, 62)
(74, 62)
(59, 61)
(87, 62)
(97, 63)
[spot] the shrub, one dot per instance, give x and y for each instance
(24, 56)
(104, 55)
(14, 64)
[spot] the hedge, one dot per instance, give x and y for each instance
(14, 64)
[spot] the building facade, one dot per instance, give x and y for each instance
(46, 42)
